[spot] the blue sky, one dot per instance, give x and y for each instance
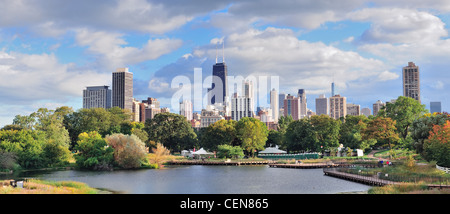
(51, 50)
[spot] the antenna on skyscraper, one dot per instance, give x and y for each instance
(216, 53)
(223, 50)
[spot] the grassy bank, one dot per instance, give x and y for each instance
(35, 186)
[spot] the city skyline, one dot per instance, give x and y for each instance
(50, 53)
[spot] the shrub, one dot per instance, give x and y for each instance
(93, 152)
(129, 150)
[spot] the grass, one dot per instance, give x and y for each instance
(35, 186)
(407, 188)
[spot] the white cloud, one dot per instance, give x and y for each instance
(395, 25)
(112, 52)
(30, 77)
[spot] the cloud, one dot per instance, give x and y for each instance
(278, 52)
(111, 51)
(395, 25)
(27, 78)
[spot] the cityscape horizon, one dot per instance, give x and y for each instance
(48, 58)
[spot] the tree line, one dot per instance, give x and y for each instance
(101, 138)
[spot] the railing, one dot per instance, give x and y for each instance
(445, 169)
(393, 177)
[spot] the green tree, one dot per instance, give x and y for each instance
(421, 127)
(93, 152)
(383, 130)
(326, 129)
(274, 138)
(172, 130)
(129, 150)
(228, 151)
(404, 111)
(350, 132)
(27, 145)
(219, 133)
(300, 136)
(252, 133)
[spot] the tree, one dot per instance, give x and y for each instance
(252, 133)
(437, 146)
(326, 129)
(421, 127)
(159, 154)
(300, 136)
(274, 138)
(404, 111)
(228, 151)
(350, 132)
(381, 129)
(219, 133)
(93, 152)
(172, 130)
(27, 145)
(129, 150)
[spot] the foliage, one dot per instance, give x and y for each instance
(404, 111)
(27, 145)
(381, 129)
(159, 154)
(103, 121)
(326, 130)
(8, 160)
(350, 132)
(219, 133)
(228, 151)
(34, 186)
(252, 133)
(93, 152)
(129, 150)
(300, 136)
(172, 130)
(437, 147)
(421, 127)
(274, 138)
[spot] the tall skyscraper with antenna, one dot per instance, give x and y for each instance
(220, 71)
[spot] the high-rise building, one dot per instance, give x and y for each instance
(332, 89)
(338, 106)
(220, 71)
(97, 97)
(435, 107)
(136, 116)
(411, 81)
(292, 107)
(281, 97)
(186, 109)
(209, 116)
(377, 107)
(322, 105)
(353, 109)
(274, 105)
(241, 106)
(122, 89)
(303, 105)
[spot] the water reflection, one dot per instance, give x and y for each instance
(208, 180)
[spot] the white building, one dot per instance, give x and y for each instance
(186, 109)
(274, 101)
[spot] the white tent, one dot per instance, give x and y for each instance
(272, 150)
(202, 152)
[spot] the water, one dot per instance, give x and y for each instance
(208, 180)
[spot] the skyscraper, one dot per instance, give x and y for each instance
(220, 71)
(338, 106)
(332, 89)
(353, 109)
(186, 109)
(274, 105)
(281, 97)
(322, 105)
(97, 97)
(435, 107)
(122, 89)
(243, 106)
(411, 81)
(303, 106)
(292, 107)
(377, 107)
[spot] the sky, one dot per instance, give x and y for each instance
(51, 50)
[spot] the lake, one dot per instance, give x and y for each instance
(201, 179)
